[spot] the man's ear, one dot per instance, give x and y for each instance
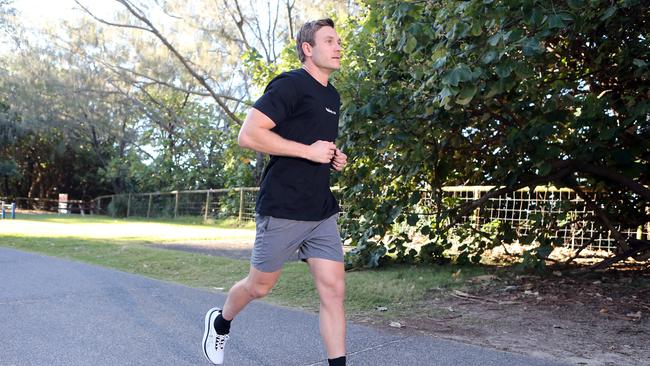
(306, 48)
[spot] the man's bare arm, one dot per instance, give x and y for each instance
(256, 134)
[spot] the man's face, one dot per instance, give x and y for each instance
(326, 53)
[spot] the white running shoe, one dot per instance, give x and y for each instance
(213, 343)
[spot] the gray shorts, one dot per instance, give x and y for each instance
(276, 240)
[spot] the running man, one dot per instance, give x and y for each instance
(296, 122)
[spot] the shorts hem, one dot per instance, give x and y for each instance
(264, 269)
(340, 260)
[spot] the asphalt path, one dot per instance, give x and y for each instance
(60, 312)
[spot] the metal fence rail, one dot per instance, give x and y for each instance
(237, 203)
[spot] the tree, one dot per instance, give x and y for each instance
(233, 29)
(505, 93)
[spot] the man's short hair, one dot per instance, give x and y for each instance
(307, 33)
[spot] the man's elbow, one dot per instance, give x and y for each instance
(243, 139)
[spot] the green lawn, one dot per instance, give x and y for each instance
(122, 244)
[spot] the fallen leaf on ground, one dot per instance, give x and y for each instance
(636, 315)
(395, 324)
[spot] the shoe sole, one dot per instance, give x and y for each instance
(208, 315)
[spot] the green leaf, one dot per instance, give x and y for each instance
(410, 44)
(494, 39)
(477, 30)
(465, 96)
(440, 62)
(556, 21)
(490, 56)
(503, 70)
(446, 93)
(531, 47)
(524, 71)
(576, 4)
(461, 73)
(537, 17)
(639, 63)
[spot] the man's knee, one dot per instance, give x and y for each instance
(332, 291)
(258, 290)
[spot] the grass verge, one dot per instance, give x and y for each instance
(397, 288)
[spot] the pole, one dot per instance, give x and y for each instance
(149, 205)
(2, 203)
(207, 206)
(477, 211)
(176, 204)
(241, 203)
(128, 206)
(13, 210)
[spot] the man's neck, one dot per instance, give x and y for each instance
(321, 75)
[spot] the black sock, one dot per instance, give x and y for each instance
(339, 361)
(221, 325)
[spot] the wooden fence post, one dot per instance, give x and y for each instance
(128, 206)
(207, 206)
(176, 204)
(149, 205)
(241, 204)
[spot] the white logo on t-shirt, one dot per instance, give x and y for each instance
(329, 110)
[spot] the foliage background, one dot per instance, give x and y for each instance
(510, 93)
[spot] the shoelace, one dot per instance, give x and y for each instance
(221, 341)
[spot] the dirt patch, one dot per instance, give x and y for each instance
(597, 319)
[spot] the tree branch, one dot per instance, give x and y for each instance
(107, 22)
(467, 207)
(615, 176)
(583, 247)
(622, 245)
(175, 87)
(202, 80)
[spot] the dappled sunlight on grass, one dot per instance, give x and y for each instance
(98, 227)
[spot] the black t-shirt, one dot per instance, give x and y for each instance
(304, 111)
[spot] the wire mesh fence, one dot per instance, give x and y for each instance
(519, 208)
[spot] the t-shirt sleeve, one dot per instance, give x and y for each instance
(278, 100)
